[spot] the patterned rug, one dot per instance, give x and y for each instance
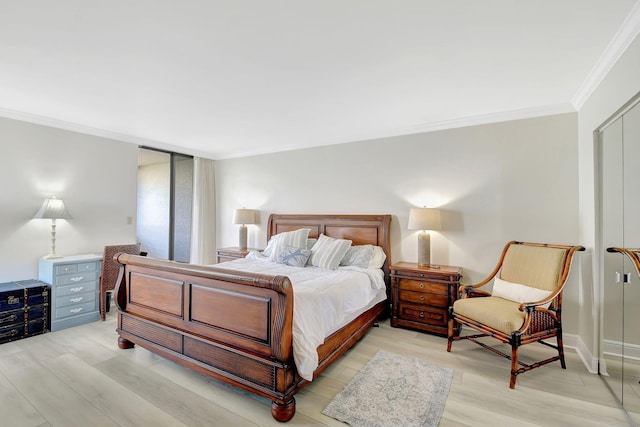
(393, 390)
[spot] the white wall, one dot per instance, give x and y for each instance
(95, 177)
(496, 182)
(619, 86)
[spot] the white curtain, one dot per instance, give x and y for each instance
(203, 224)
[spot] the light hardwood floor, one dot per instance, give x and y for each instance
(79, 377)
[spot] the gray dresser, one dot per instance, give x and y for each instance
(74, 284)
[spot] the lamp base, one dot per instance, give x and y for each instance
(53, 256)
(242, 237)
(424, 249)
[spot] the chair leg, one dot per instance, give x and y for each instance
(451, 333)
(514, 365)
(561, 349)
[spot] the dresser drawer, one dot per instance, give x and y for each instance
(87, 266)
(423, 286)
(66, 268)
(78, 277)
(75, 289)
(76, 298)
(423, 298)
(74, 310)
(424, 314)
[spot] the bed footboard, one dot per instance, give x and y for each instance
(235, 327)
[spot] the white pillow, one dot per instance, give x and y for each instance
(378, 258)
(328, 252)
(358, 256)
(518, 293)
(297, 239)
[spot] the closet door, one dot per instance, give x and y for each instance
(620, 204)
(631, 289)
(612, 192)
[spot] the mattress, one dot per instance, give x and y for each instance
(324, 301)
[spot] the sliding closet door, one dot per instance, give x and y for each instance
(620, 226)
(631, 296)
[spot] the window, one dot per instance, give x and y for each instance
(165, 195)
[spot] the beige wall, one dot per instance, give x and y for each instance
(496, 182)
(95, 177)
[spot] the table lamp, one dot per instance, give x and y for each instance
(53, 208)
(424, 219)
(243, 216)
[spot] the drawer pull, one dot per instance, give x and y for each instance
(9, 319)
(421, 285)
(422, 314)
(11, 333)
(76, 279)
(12, 300)
(421, 297)
(76, 310)
(78, 299)
(78, 289)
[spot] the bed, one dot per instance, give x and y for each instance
(237, 326)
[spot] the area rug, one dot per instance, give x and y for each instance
(393, 390)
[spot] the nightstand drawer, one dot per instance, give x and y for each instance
(423, 286)
(424, 314)
(423, 298)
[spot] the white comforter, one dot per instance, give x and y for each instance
(324, 301)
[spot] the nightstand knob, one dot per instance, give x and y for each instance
(421, 285)
(422, 314)
(421, 297)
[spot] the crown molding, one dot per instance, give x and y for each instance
(89, 130)
(620, 42)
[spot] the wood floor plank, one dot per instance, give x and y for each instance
(15, 410)
(122, 405)
(137, 388)
(183, 404)
(58, 403)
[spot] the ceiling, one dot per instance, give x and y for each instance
(230, 78)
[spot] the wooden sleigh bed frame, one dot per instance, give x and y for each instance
(234, 326)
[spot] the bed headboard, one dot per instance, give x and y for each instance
(360, 229)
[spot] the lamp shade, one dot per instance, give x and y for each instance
(424, 219)
(53, 208)
(244, 216)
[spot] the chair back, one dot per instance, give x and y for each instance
(537, 266)
(111, 268)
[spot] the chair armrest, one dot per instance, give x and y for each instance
(471, 291)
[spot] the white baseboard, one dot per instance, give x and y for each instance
(590, 361)
(615, 348)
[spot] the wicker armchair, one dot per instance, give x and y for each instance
(525, 304)
(110, 270)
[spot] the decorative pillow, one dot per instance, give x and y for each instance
(297, 238)
(296, 257)
(310, 243)
(328, 252)
(518, 293)
(378, 258)
(358, 256)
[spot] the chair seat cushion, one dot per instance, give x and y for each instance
(494, 312)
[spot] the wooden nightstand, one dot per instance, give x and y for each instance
(421, 296)
(229, 254)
